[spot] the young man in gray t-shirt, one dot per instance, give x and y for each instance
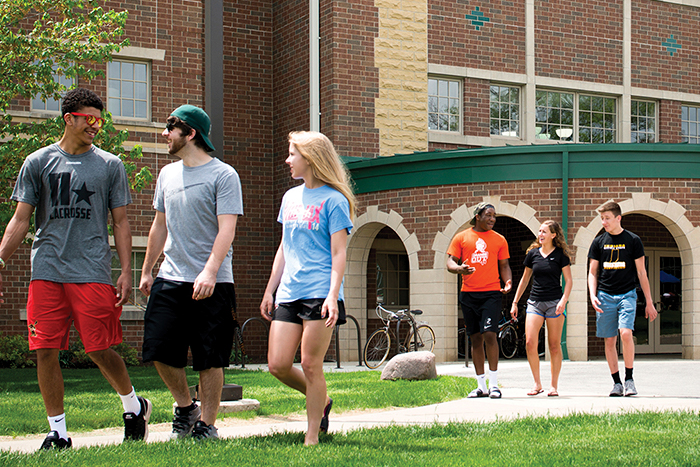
(73, 186)
(197, 201)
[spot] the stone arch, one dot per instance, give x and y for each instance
(687, 237)
(443, 283)
(360, 241)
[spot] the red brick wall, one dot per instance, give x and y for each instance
(498, 45)
(349, 78)
(476, 112)
(579, 40)
(653, 66)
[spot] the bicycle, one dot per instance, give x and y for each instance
(511, 342)
(420, 337)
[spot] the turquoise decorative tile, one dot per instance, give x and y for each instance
(478, 18)
(671, 45)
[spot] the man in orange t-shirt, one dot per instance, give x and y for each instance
(481, 255)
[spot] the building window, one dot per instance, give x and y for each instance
(128, 90)
(137, 256)
(554, 115)
(444, 105)
(581, 118)
(392, 280)
(505, 110)
(643, 121)
(690, 122)
(596, 119)
(52, 105)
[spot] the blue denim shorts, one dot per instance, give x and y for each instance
(619, 312)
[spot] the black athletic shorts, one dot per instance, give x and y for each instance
(481, 311)
(175, 322)
(299, 310)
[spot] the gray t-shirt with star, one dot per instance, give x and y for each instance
(72, 196)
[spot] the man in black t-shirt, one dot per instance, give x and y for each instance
(613, 293)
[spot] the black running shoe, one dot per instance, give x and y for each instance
(184, 420)
(203, 431)
(53, 441)
(136, 426)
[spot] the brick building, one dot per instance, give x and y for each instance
(538, 107)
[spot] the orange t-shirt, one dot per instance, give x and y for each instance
(481, 250)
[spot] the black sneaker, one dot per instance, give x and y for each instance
(184, 420)
(203, 431)
(53, 441)
(136, 426)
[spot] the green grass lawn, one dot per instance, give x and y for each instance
(91, 403)
(633, 439)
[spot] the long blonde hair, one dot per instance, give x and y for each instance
(325, 163)
(558, 241)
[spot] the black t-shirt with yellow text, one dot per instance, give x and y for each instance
(617, 272)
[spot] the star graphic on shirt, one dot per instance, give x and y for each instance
(84, 194)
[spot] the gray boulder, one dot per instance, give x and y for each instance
(411, 366)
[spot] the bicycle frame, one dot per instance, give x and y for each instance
(398, 316)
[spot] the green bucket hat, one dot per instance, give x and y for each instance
(197, 119)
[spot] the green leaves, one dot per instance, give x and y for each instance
(41, 38)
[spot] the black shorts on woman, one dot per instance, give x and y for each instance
(175, 322)
(299, 311)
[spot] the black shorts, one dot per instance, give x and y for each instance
(299, 310)
(481, 311)
(175, 322)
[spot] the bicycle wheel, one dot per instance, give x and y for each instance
(461, 342)
(508, 341)
(377, 348)
(426, 339)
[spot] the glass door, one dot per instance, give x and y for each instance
(664, 334)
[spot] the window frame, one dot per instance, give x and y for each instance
(576, 110)
(460, 103)
(148, 84)
(137, 301)
(655, 119)
(45, 110)
(500, 103)
(687, 122)
(401, 285)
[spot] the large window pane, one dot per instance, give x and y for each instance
(128, 89)
(506, 120)
(689, 124)
(444, 104)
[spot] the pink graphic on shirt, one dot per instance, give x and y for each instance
(299, 213)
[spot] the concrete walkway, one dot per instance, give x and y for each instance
(663, 384)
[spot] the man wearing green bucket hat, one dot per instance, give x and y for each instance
(197, 201)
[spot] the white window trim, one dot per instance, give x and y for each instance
(460, 93)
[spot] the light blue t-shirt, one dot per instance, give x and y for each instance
(309, 217)
(192, 198)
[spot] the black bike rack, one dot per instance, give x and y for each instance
(260, 320)
(337, 342)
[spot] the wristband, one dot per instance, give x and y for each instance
(2, 264)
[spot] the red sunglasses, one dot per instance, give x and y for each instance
(90, 119)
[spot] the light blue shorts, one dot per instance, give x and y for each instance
(547, 309)
(619, 312)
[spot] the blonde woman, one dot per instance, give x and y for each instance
(307, 273)
(546, 260)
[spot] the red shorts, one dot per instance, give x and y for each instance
(52, 306)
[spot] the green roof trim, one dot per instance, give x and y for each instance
(533, 162)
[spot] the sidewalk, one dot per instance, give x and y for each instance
(663, 384)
